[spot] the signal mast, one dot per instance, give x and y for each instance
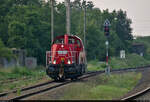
(106, 32)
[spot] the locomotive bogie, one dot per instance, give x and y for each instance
(70, 71)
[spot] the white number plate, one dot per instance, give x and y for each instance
(62, 52)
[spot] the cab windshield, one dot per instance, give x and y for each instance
(59, 41)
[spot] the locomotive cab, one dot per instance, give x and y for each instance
(67, 58)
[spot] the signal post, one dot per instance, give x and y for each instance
(106, 32)
(52, 21)
(68, 26)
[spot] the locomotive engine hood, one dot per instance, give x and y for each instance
(62, 52)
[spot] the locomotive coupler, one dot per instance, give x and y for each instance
(61, 71)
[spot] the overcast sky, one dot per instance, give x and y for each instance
(137, 10)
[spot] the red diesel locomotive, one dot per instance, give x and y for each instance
(67, 58)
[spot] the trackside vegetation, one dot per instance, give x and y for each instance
(131, 61)
(5, 52)
(146, 42)
(95, 65)
(17, 77)
(103, 87)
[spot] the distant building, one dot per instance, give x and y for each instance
(19, 60)
(21, 55)
(30, 62)
(138, 48)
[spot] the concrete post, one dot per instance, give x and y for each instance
(52, 21)
(68, 27)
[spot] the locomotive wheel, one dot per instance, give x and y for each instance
(75, 78)
(61, 79)
(82, 70)
(56, 79)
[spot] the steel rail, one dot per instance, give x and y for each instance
(25, 89)
(56, 86)
(137, 94)
(13, 80)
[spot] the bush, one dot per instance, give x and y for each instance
(22, 71)
(96, 66)
(5, 52)
(147, 56)
(103, 65)
(118, 63)
(93, 62)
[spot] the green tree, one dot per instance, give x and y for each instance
(26, 24)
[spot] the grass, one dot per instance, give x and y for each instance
(102, 88)
(131, 61)
(18, 84)
(33, 76)
(95, 66)
(18, 72)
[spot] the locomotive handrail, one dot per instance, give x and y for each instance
(63, 54)
(73, 55)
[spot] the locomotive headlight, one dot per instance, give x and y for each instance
(49, 62)
(69, 62)
(54, 62)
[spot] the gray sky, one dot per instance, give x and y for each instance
(137, 10)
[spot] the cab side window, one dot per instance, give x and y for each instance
(71, 41)
(79, 44)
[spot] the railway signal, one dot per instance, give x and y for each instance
(106, 27)
(106, 32)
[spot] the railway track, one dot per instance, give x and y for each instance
(142, 90)
(14, 80)
(40, 88)
(26, 92)
(141, 95)
(24, 89)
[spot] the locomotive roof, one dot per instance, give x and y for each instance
(69, 36)
(72, 36)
